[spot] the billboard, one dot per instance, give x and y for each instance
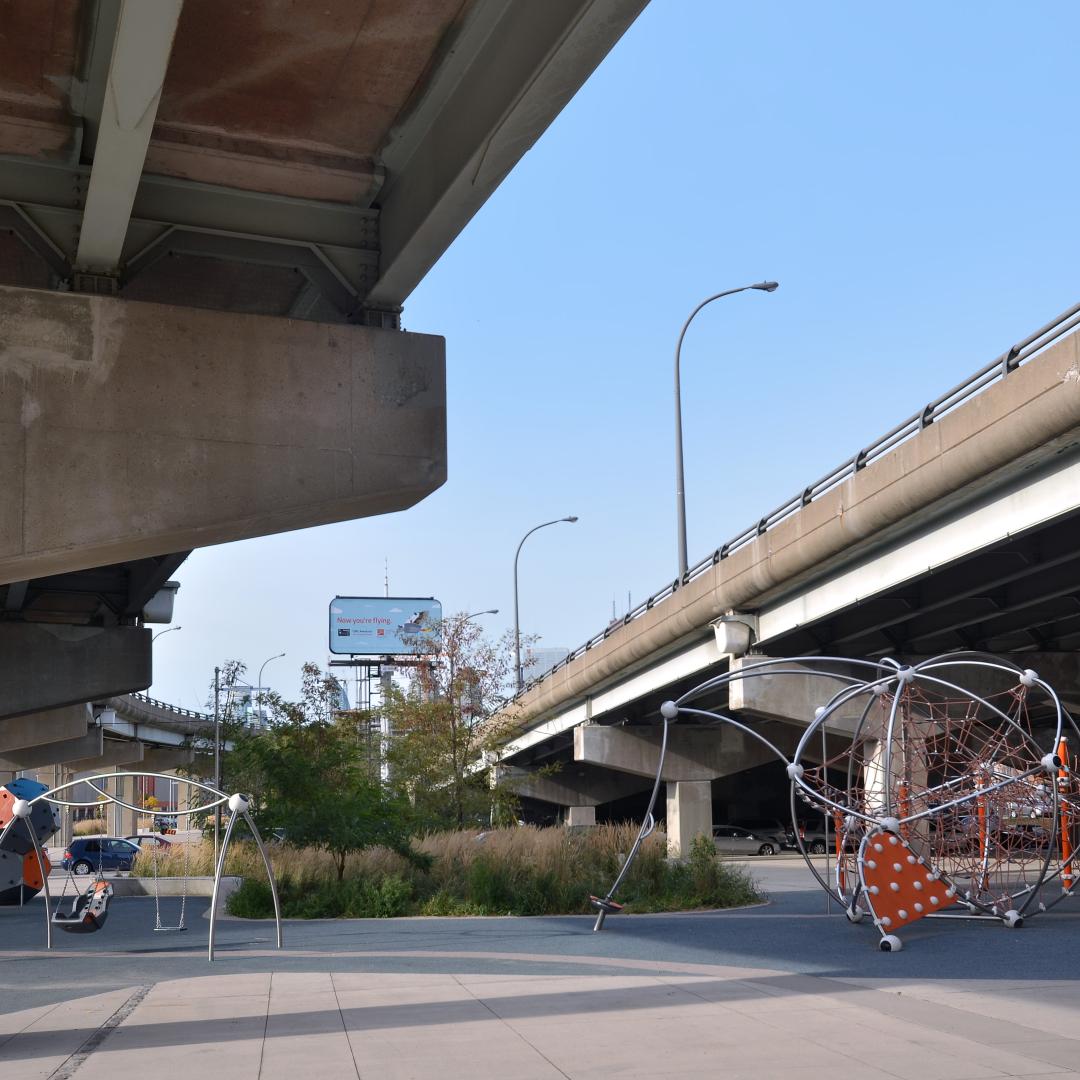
(381, 625)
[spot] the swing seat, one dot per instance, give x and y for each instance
(603, 904)
(89, 911)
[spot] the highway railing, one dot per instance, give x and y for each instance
(995, 371)
(175, 710)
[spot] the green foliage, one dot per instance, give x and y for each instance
(309, 774)
(522, 871)
(443, 903)
(451, 716)
(350, 899)
(316, 787)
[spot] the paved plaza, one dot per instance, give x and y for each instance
(781, 990)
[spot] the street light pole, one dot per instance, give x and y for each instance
(217, 758)
(258, 692)
(517, 623)
(680, 483)
(160, 632)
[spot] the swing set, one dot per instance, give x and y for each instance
(89, 909)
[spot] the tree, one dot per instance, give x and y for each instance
(312, 779)
(452, 714)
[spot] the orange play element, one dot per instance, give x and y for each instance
(32, 872)
(900, 888)
(7, 801)
(1065, 829)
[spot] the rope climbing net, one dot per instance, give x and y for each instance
(947, 785)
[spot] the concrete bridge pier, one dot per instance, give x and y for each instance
(578, 790)
(689, 814)
(695, 757)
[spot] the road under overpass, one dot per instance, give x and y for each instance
(211, 216)
(955, 531)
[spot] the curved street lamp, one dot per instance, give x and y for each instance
(160, 632)
(517, 625)
(680, 483)
(258, 693)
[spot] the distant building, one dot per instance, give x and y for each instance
(536, 661)
(239, 703)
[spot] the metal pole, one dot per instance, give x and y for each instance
(519, 681)
(217, 758)
(680, 481)
(825, 778)
(258, 692)
(219, 868)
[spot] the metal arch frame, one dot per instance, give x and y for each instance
(238, 806)
(41, 867)
(894, 679)
(605, 904)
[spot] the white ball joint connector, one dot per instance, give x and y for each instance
(890, 943)
(669, 710)
(21, 808)
(238, 803)
(1013, 919)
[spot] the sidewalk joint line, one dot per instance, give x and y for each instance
(68, 1067)
(266, 1026)
(344, 1027)
(510, 1027)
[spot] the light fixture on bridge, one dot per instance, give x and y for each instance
(735, 633)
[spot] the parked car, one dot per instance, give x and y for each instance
(812, 834)
(1026, 836)
(86, 854)
(777, 832)
(144, 841)
(731, 840)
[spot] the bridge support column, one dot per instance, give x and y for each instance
(89, 745)
(580, 817)
(46, 666)
(689, 814)
(123, 822)
(791, 697)
(577, 788)
(131, 429)
(35, 729)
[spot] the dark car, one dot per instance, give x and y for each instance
(87, 854)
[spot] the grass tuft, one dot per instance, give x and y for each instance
(522, 871)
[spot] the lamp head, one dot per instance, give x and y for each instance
(767, 286)
(572, 518)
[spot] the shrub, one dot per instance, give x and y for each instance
(89, 827)
(521, 871)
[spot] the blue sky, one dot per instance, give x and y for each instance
(906, 172)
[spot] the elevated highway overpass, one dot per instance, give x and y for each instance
(957, 530)
(129, 732)
(211, 215)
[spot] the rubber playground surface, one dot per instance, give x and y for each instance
(783, 989)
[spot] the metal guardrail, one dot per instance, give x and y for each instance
(164, 706)
(993, 372)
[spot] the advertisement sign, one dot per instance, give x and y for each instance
(381, 625)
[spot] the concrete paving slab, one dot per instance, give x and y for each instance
(782, 991)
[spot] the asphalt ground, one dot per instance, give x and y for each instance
(791, 933)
